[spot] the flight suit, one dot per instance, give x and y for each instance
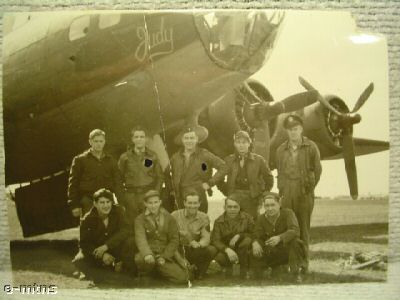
(290, 249)
(195, 172)
(140, 173)
(159, 236)
(224, 230)
(248, 181)
(298, 173)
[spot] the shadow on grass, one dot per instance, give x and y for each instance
(356, 233)
(55, 257)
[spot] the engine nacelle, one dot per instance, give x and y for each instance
(231, 113)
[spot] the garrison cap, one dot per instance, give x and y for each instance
(151, 193)
(271, 195)
(235, 197)
(291, 121)
(242, 135)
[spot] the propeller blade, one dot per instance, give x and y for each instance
(289, 104)
(306, 84)
(363, 97)
(299, 101)
(262, 140)
(350, 164)
(321, 99)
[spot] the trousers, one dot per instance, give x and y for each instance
(242, 250)
(302, 203)
(171, 270)
(293, 253)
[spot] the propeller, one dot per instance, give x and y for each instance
(265, 111)
(345, 121)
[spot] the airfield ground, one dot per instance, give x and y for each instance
(339, 228)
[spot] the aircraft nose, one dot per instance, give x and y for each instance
(241, 40)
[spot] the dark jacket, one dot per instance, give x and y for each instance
(163, 241)
(199, 170)
(225, 229)
(258, 174)
(89, 174)
(309, 162)
(140, 171)
(286, 226)
(93, 233)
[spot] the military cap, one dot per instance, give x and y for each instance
(271, 195)
(151, 193)
(235, 197)
(241, 134)
(291, 121)
(201, 132)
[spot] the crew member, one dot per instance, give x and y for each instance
(194, 233)
(231, 237)
(248, 174)
(277, 239)
(141, 171)
(105, 238)
(157, 239)
(90, 171)
(299, 170)
(192, 166)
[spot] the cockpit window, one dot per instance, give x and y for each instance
(108, 20)
(79, 28)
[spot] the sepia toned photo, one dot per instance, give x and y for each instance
(196, 148)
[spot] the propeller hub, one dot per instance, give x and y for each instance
(350, 119)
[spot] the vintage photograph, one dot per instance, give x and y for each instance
(194, 148)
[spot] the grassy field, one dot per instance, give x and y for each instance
(339, 228)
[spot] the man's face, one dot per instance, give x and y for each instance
(139, 139)
(232, 208)
(271, 207)
(242, 145)
(192, 203)
(103, 205)
(153, 204)
(97, 143)
(189, 140)
(295, 132)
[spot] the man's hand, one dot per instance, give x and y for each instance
(149, 259)
(273, 241)
(231, 255)
(108, 259)
(76, 212)
(206, 186)
(233, 241)
(194, 244)
(99, 251)
(160, 261)
(257, 249)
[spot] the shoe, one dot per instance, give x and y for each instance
(118, 267)
(245, 275)
(81, 276)
(298, 278)
(199, 276)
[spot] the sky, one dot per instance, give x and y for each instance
(327, 50)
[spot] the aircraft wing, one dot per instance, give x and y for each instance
(363, 147)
